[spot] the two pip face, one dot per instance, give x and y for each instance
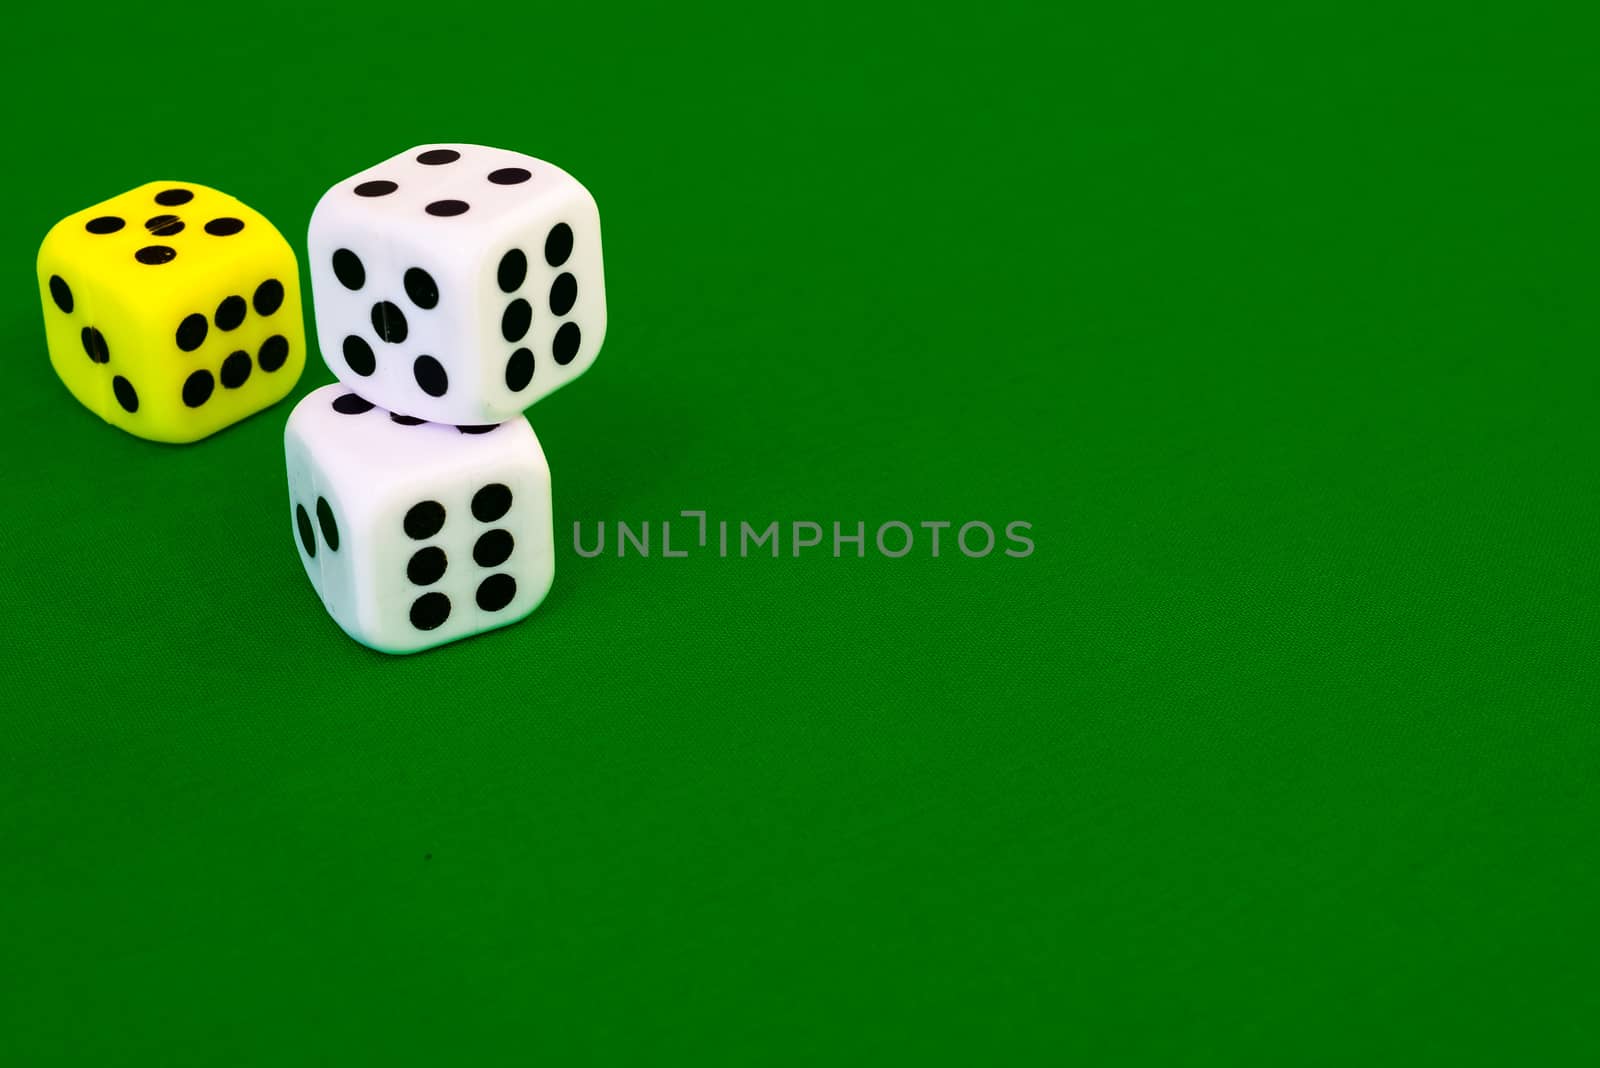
(458, 283)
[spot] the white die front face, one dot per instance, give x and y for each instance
(458, 283)
(417, 534)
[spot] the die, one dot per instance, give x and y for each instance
(457, 283)
(172, 310)
(414, 533)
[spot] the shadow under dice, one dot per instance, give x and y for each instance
(458, 283)
(414, 533)
(172, 310)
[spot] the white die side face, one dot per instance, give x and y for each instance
(322, 541)
(458, 283)
(445, 533)
(544, 300)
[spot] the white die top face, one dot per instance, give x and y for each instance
(458, 283)
(416, 534)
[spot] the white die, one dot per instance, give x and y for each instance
(415, 534)
(458, 283)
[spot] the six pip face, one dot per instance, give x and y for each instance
(458, 283)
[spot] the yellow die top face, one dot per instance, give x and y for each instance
(172, 310)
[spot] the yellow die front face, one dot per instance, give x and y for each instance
(172, 310)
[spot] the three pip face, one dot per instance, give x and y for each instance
(453, 286)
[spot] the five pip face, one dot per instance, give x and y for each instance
(457, 283)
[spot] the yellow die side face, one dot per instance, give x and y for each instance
(172, 310)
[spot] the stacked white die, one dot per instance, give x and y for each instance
(453, 286)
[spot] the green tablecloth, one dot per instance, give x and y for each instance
(1276, 324)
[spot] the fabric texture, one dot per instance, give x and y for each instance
(1280, 746)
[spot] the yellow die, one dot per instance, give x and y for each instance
(172, 310)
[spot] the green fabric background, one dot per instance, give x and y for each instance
(1276, 321)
